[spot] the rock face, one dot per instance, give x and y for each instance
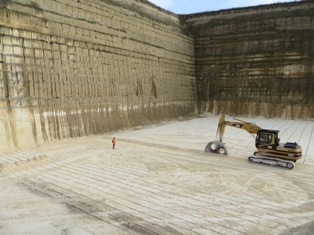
(256, 61)
(73, 68)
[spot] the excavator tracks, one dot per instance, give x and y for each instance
(271, 161)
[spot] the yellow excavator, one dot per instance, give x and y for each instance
(269, 149)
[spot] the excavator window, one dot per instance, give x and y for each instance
(265, 139)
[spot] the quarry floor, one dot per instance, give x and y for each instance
(158, 180)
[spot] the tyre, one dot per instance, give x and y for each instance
(222, 150)
(290, 165)
(213, 147)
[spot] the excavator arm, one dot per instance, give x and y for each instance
(252, 128)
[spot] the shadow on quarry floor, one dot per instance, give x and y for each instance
(305, 229)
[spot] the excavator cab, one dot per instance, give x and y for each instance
(267, 139)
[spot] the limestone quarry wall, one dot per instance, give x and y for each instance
(74, 68)
(256, 61)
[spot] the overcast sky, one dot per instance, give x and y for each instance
(195, 6)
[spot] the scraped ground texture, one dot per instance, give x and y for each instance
(158, 180)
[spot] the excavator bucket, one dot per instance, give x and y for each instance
(216, 147)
